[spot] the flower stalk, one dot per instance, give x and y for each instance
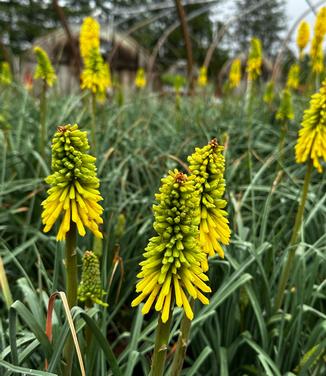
(182, 344)
(43, 111)
(161, 346)
(71, 289)
(294, 238)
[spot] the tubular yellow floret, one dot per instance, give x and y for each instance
(202, 77)
(311, 142)
(207, 166)
(235, 73)
(171, 269)
(255, 59)
(303, 36)
(74, 185)
(140, 80)
(89, 37)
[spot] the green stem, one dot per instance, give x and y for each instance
(71, 289)
(43, 108)
(93, 100)
(293, 241)
(182, 343)
(161, 346)
(281, 144)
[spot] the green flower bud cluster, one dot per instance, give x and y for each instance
(207, 165)
(74, 184)
(44, 68)
(90, 288)
(269, 92)
(173, 258)
(285, 110)
(69, 158)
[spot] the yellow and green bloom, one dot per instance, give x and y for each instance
(303, 36)
(95, 76)
(44, 68)
(90, 288)
(285, 110)
(5, 74)
(311, 144)
(140, 80)
(207, 164)
(173, 258)
(89, 37)
(202, 77)
(269, 92)
(255, 60)
(74, 191)
(235, 73)
(293, 79)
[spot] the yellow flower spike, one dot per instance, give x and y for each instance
(5, 74)
(293, 79)
(311, 142)
(74, 185)
(303, 36)
(285, 111)
(269, 93)
(317, 56)
(171, 269)
(95, 76)
(140, 80)
(207, 166)
(90, 288)
(235, 73)
(44, 68)
(255, 59)
(316, 51)
(89, 37)
(320, 25)
(202, 77)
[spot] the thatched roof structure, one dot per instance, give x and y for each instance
(123, 53)
(121, 50)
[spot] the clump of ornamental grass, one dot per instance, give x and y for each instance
(235, 74)
(207, 164)
(293, 79)
(310, 149)
(172, 271)
(44, 71)
(140, 79)
(73, 196)
(90, 288)
(303, 37)
(202, 77)
(5, 74)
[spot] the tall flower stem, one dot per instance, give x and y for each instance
(182, 344)
(281, 144)
(71, 288)
(43, 110)
(161, 346)
(294, 237)
(93, 103)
